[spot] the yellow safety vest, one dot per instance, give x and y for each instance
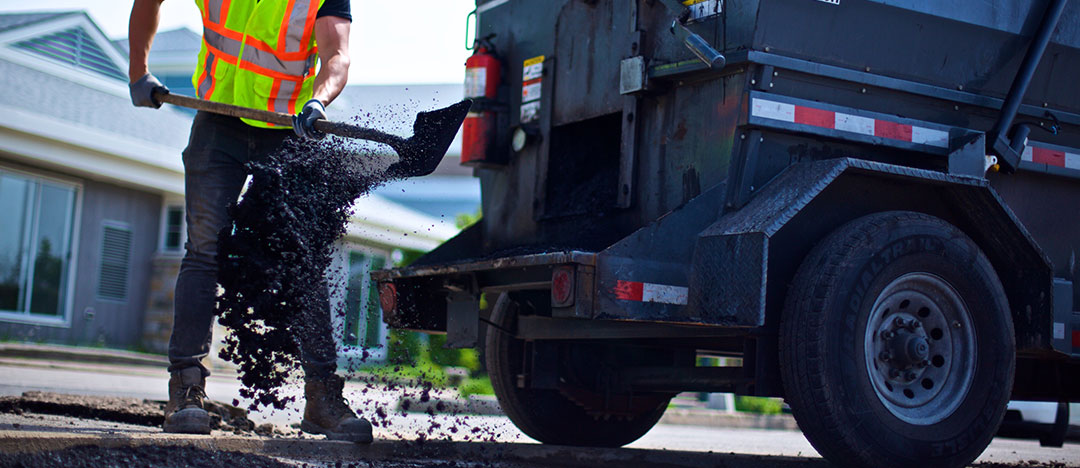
(257, 53)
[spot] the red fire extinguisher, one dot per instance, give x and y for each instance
(482, 76)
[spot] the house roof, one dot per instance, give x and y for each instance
(16, 20)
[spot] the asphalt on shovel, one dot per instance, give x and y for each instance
(418, 155)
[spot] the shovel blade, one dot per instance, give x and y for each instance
(433, 133)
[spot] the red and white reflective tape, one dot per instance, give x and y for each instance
(1051, 157)
(650, 292)
(803, 115)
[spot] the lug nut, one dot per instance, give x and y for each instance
(956, 324)
(899, 322)
(910, 376)
(924, 363)
(884, 356)
(915, 324)
(887, 334)
(894, 373)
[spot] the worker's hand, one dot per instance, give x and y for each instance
(142, 91)
(304, 122)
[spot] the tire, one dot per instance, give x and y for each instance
(547, 415)
(845, 359)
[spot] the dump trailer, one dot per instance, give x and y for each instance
(871, 208)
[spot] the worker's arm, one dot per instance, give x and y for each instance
(142, 26)
(332, 37)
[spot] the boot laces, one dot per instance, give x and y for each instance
(193, 396)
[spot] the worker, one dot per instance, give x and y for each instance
(259, 54)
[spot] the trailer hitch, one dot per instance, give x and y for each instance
(697, 44)
(1005, 140)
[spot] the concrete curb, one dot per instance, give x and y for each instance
(709, 418)
(384, 450)
(80, 354)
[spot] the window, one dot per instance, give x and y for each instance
(35, 246)
(363, 316)
(173, 238)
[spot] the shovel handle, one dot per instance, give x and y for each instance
(276, 118)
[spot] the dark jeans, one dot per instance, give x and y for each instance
(214, 174)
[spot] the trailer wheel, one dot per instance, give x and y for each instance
(547, 415)
(896, 344)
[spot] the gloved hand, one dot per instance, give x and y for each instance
(142, 91)
(304, 122)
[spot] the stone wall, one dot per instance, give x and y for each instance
(158, 321)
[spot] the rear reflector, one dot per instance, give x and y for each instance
(562, 287)
(388, 298)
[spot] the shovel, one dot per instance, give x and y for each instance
(418, 155)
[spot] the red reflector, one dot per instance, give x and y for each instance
(388, 297)
(1076, 338)
(562, 287)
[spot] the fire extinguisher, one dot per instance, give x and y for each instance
(483, 74)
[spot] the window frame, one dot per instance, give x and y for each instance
(163, 228)
(74, 238)
(338, 294)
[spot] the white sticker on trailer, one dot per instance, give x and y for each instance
(1059, 331)
(664, 294)
(854, 124)
(773, 110)
(929, 136)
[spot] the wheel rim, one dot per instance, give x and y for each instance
(920, 348)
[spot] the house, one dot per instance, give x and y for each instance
(88, 185)
(91, 191)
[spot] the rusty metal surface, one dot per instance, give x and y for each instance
(583, 258)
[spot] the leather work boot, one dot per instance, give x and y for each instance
(185, 414)
(327, 413)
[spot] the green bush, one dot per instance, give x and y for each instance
(759, 405)
(476, 386)
(403, 347)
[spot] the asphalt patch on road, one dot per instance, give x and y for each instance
(139, 457)
(137, 411)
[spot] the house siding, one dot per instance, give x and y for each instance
(92, 320)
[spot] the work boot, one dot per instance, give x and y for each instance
(185, 414)
(327, 413)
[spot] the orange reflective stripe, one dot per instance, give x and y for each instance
(230, 47)
(225, 10)
(267, 60)
(219, 55)
(309, 25)
(213, 82)
(206, 78)
(245, 65)
(213, 11)
(283, 32)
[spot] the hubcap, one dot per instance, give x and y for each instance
(920, 348)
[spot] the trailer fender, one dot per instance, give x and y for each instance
(743, 263)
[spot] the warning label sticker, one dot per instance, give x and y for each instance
(704, 9)
(533, 69)
(531, 84)
(530, 112)
(530, 91)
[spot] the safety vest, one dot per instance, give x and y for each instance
(259, 54)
